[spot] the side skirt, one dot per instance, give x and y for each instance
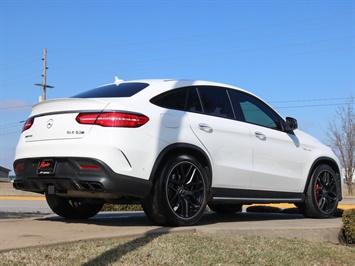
(224, 195)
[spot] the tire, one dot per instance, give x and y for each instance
(72, 208)
(180, 193)
(152, 209)
(225, 208)
(321, 200)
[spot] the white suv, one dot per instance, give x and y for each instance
(174, 146)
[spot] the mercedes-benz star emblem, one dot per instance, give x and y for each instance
(49, 123)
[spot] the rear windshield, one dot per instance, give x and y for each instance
(122, 90)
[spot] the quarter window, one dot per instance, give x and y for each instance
(185, 99)
(172, 100)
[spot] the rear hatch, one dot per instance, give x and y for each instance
(55, 119)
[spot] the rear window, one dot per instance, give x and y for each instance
(108, 91)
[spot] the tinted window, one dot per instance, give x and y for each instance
(257, 112)
(175, 99)
(122, 90)
(185, 99)
(216, 101)
(193, 103)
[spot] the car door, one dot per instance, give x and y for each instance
(278, 160)
(227, 140)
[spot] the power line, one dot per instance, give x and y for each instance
(11, 124)
(218, 33)
(15, 107)
(309, 105)
(264, 58)
(210, 54)
(12, 132)
(20, 59)
(314, 100)
(190, 44)
(23, 77)
(189, 37)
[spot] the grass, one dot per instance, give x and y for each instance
(185, 249)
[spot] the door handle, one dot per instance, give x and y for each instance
(206, 128)
(260, 136)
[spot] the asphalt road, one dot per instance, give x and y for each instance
(16, 204)
(12, 200)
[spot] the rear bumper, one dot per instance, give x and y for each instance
(78, 177)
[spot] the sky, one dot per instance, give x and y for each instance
(297, 55)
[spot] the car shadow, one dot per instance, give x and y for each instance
(114, 254)
(138, 218)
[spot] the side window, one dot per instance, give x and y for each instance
(257, 112)
(216, 101)
(193, 101)
(172, 100)
(185, 99)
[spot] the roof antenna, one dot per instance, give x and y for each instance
(118, 81)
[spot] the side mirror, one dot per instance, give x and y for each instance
(292, 123)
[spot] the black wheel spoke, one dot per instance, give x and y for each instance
(185, 189)
(325, 191)
(185, 208)
(183, 172)
(173, 196)
(322, 203)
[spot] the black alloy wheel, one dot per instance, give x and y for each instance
(180, 194)
(322, 194)
(326, 191)
(185, 190)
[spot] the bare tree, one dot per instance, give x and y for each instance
(342, 136)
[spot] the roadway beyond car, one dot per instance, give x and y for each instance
(174, 146)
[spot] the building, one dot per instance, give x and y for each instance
(4, 173)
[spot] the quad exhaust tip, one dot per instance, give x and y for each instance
(17, 184)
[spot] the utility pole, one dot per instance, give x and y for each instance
(44, 75)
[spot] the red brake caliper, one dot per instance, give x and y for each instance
(317, 191)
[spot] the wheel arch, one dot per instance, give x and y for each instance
(333, 164)
(182, 148)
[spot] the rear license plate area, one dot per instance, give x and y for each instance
(46, 167)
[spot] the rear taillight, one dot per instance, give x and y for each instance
(112, 119)
(28, 124)
(19, 167)
(84, 165)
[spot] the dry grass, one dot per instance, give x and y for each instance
(192, 249)
(19, 215)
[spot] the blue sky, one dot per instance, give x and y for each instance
(297, 55)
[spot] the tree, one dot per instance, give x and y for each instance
(342, 136)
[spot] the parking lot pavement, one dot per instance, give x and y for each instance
(49, 230)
